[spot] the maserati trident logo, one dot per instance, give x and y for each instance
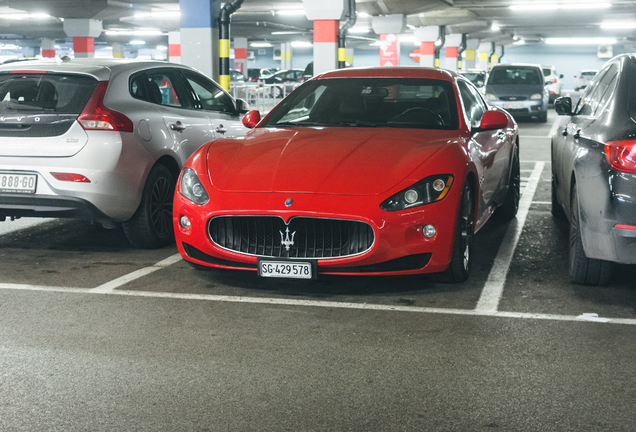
(288, 202)
(285, 241)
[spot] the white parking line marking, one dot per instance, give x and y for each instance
(110, 286)
(326, 304)
(493, 289)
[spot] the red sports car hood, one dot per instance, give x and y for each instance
(351, 161)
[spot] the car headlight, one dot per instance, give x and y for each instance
(190, 187)
(429, 190)
(490, 96)
(536, 96)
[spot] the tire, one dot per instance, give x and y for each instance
(543, 118)
(557, 210)
(510, 206)
(151, 225)
(584, 270)
(462, 257)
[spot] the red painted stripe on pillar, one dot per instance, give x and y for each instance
(427, 48)
(48, 53)
(451, 52)
(326, 31)
(84, 44)
(240, 53)
(174, 50)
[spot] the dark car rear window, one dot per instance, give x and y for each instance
(41, 104)
(369, 102)
(515, 75)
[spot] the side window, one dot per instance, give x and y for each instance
(609, 91)
(589, 102)
(159, 87)
(473, 104)
(207, 95)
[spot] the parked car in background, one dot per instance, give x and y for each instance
(553, 81)
(594, 172)
(371, 171)
(286, 81)
(476, 76)
(105, 139)
(519, 89)
(584, 78)
(308, 73)
(260, 74)
(236, 76)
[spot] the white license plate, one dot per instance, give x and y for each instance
(17, 183)
(513, 105)
(285, 269)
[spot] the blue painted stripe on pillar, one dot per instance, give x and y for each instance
(200, 13)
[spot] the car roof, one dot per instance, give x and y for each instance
(518, 64)
(391, 72)
(100, 68)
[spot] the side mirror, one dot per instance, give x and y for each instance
(251, 119)
(492, 120)
(242, 106)
(563, 105)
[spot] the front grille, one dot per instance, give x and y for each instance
(304, 237)
(513, 98)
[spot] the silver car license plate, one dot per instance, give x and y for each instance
(285, 269)
(513, 105)
(17, 183)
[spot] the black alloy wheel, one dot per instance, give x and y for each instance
(462, 257)
(151, 226)
(584, 270)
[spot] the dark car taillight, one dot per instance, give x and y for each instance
(621, 155)
(96, 116)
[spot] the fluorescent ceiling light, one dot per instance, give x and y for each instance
(580, 41)
(159, 14)
(301, 44)
(137, 42)
(133, 32)
(162, 48)
(362, 14)
(407, 39)
(495, 27)
(290, 12)
(519, 42)
(553, 6)
(21, 16)
(9, 47)
(376, 43)
(260, 44)
(359, 29)
(287, 32)
(618, 25)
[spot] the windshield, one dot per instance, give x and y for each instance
(515, 75)
(547, 72)
(44, 92)
(369, 102)
(477, 78)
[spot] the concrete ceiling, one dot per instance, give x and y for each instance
(257, 20)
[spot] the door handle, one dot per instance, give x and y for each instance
(221, 129)
(178, 126)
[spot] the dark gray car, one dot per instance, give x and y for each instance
(594, 172)
(519, 89)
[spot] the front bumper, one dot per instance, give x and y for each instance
(399, 244)
(517, 109)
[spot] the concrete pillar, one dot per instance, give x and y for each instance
(484, 55)
(48, 48)
(427, 36)
(326, 15)
(349, 55)
(452, 43)
(30, 52)
(83, 32)
(118, 50)
(174, 47)
(200, 36)
(389, 27)
(240, 55)
(286, 55)
(470, 53)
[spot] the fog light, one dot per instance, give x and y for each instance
(185, 222)
(429, 231)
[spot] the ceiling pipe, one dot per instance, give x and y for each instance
(460, 50)
(224, 41)
(342, 34)
(439, 43)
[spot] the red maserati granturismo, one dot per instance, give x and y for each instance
(370, 171)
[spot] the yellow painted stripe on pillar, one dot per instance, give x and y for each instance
(341, 54)
(224, 80)
(436, 62)
(494, 58)
(349, 59)
(288, 55)
(483, 56)
(118, 55)
(459, 64)
(470, 54)
(224, 48)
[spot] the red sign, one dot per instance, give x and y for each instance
(389, 50)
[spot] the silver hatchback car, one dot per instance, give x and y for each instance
(105, 139)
